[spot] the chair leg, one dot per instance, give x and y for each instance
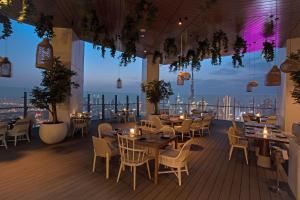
(230, 152)
(16, 140)
(27, 137)
(4, 143)
(187, 170)
(120, 170)
(179, 176)
(182, 136)
(246, 155)
(94, 162)
(107, 166)
(148, 169)
(134, 177)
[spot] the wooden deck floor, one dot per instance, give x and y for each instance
(63, 171)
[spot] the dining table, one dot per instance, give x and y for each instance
(262, 140)
(152, 141)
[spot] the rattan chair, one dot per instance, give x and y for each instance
(19, 131)
(184, 129)
(80, 124)
(205, 125)
(132, 155)
(196, 126)
(237, 142)
(156, 123)
(168, 130)
(103, 129)
(271, 120)
(3, 129)
(246, 118)
(104, 150)
(238, 131)
(175, 159)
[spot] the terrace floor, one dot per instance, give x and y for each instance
(63, 171)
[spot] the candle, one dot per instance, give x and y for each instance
(265, 131)
(132, 132)
(257, 114)
(181, 117)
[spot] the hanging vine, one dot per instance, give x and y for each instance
(203, 49)
(268, 51)
(44, 26)
(219, 43)
(295, 77)
(239, 48)
(7, 28)
(170, 48)
(145, 9)
(28, 10)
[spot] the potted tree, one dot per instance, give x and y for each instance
(156, 91)
(54, 89)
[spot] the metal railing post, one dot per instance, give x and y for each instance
(103, 108)
(202, 104)
(116, 103)
(234, 108)
(127, 106)
(218, 109)
(89, 103)
(137, 107)
(253, 108)
(275, 106)
(25, 105)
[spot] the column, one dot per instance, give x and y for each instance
(289, 112)
(150, 72)
(70, 49)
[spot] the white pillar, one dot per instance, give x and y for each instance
(289, 111)
(150, 72)
(70, 49)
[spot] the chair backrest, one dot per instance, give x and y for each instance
(246, 118)
(104, 128)
(3, 128)
(185, 151)
(157, 122)
(131, 154)
(196, 123)
(205, 123)
(79, 122)
(21, 126)
(231, 134)
(186, 124)
(271, 120)
(101, 147)
(167, 130)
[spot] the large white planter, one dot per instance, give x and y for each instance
(53, 133)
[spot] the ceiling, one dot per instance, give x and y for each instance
(200, 19)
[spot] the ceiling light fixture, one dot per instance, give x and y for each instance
(179, 22)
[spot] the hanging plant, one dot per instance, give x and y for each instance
(239, 48)
(295, 77)
(268, 51)
(145, 9)
(7, 29)
(219, 43)
(203, 49)
(108, 43)
(182, 63)
(268, 30)
(28, 10)
(193, 59)
(44, 26)
(157, 55)
(170, 47)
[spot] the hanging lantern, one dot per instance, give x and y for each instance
(253, 83)
(290, 65)
(5, 67)
(44, 54)
(119, 83)
(273, 77)
(180, 80)
(185, 75)
(249, 88)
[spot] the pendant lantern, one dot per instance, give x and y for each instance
(119, 83)
(249, 88)
(185, 75)
(253, 83)
(180, 80)
(5, 67)
(290, 65)
(273, 77)
(44, 54)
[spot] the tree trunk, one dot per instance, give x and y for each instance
(54, 113)
(156, 108)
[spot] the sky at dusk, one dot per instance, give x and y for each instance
(101, 74)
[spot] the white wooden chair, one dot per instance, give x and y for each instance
(132, 155)
(238, 131)
(19, 131)
(104, 150)
(79, 124)
(237, 142)
(3, 129)
(176, 159)
(105, 128)
(184, 129)
(156, 123)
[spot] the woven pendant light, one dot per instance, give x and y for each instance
(253, 83)
(185, 75)
(249, 88)
(44, 54)
(119, 83)
(273, 77)
(180, 80)
(290, 65)
(5, 67)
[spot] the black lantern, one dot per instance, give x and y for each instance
(44, 54)
(119, 83)
(5, 68)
